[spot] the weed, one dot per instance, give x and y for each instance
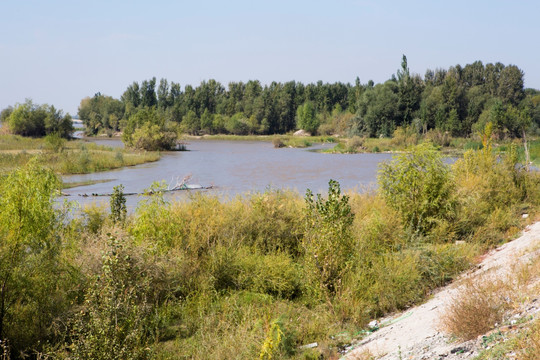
(479, 305)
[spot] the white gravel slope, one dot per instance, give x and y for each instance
(416, 333)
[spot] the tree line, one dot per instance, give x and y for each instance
(459, 100)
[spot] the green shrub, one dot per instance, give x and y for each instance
(112, 322)
(438, 137)
(55, 142)
(355, 144)
(405, 136)
(93, 217)
(152, 138)
(118, 204)
(418, 185)
(328, 238)
(284, 231)
(151, 218)
(278, 143)
(488, 187)
(32, 289)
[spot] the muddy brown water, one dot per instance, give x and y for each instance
(237, 167)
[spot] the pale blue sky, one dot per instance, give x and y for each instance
(58, 52)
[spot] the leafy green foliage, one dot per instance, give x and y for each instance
(147, 129)
(447, 100)
(328, 238)
(111, 324)
(419, 186)
(151, 137)
(29, 256)
(118, 204)
(101, 113)
(150, 212)
(29, 119)
(55, 142)
(306, 118)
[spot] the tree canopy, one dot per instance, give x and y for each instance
(454, 100)
(29, 119)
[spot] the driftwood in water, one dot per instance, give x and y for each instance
(177, 188)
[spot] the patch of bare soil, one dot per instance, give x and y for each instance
(416, 333)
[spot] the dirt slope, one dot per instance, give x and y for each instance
(416, 334)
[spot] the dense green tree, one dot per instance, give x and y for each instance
(4, 114)
(473, 74)
(132, 95)
(148, 93)
(492, 74)
(163, 96)
(355, 92)
(306, 118)
(101, 113)
(476, 99)
(378, 109)
(237, 124)
(206, 121)
(58, 123)
(207, 96)
(191, 123)
(29, 119)
(174, 94)
(451, 100)
(409, 94)
(510, 87)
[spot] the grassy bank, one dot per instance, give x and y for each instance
(67, 157)
(70, 185)
(256, 276)
(449, 146)
(278, 140)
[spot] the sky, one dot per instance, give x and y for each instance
(58, 52)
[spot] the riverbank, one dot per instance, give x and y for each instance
(67, 157)
(289, 140)
(507, 278)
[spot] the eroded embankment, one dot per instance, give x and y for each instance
(417, 333)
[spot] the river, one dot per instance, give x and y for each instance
(237, 167)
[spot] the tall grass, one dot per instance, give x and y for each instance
(73, 157)
(16, 142)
